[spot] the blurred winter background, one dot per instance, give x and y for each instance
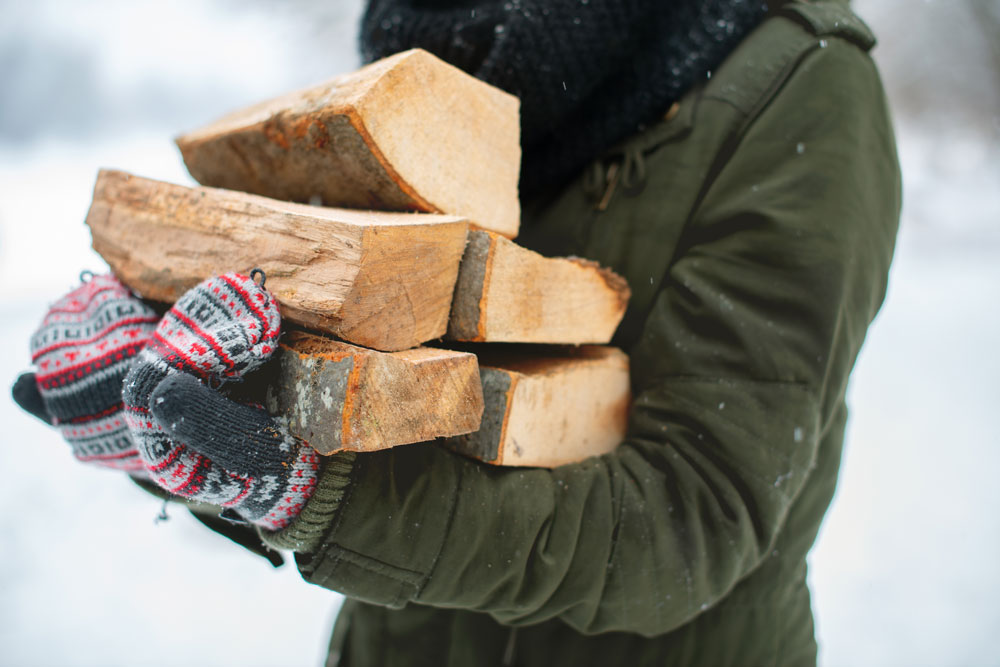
(905, 572)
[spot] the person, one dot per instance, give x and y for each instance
(735, 162)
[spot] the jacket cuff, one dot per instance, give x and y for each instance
(391, 525)
(307, 530)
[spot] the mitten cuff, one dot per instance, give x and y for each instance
(306, 532)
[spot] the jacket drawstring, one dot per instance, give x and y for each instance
(600, 181)
(611, 181)
(633, 172)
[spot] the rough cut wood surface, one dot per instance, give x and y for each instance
(506, 293)
(407, 133)
(338, 396)
(382, 280)
(549, 406)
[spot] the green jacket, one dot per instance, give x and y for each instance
(755, 225)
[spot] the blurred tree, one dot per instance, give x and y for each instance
(988, 15)
(940, 59)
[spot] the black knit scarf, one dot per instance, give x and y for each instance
(589, 72)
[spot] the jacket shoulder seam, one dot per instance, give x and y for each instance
(829, 19)
(760, 78)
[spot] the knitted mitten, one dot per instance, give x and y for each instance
(199, 444)
(82, 351)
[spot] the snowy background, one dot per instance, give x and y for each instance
(905, 572)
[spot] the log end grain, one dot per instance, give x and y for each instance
(506, 293)
(549, 406)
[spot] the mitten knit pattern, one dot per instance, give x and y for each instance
(223, 328)
(82, 351)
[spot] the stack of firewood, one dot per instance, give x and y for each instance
(406, 173)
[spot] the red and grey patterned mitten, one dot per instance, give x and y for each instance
(199, 444)
(82, 352)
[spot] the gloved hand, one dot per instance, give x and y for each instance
(82, 351)
(197, 443)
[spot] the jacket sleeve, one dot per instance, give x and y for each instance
(740, 365)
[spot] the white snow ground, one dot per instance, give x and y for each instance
(905, 569)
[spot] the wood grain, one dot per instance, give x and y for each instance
(382, 280)
(407, 133)
(338, 396)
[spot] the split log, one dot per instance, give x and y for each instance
(382, 280)
(407, 133)
(549, 409)
(338, 396)
(506, 293)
